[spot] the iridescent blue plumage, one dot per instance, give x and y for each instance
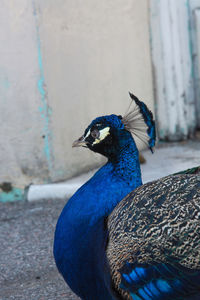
(159, 281)
(80, 232)
(110, 120)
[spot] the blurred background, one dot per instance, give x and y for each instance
(63, 63)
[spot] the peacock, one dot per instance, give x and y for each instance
(119, 239)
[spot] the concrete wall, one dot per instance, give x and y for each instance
(62, 63)
(22, 125)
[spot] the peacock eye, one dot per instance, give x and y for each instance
(95, 133)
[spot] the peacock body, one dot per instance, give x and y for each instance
(137, 248)
(160, 224)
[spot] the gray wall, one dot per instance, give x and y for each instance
(175, 56)
(62, 63)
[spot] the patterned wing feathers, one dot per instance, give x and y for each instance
(158, 223)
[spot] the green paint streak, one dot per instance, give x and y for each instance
(6, 83)
(13, 195)
(44, 110)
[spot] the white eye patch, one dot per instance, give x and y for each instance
(103, 134)
(88, 133)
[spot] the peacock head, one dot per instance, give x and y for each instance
(107, 134)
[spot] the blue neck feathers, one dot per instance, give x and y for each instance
(81, 236)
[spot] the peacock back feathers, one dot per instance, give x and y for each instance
(194, 171)
(154, 240)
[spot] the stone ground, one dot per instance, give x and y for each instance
(27, 269)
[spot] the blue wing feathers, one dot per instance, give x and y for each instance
(159, 282)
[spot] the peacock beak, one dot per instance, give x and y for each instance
(80, 142)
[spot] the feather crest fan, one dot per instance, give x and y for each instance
(139, 121)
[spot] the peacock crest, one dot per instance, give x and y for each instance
(139, 121)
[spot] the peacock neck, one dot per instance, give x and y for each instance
(81, 234)
(126, 164)
(119, 176)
